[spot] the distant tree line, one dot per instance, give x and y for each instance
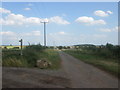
(108, 50)
(63, 47)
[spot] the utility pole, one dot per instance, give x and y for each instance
(29, 43)
(21, 43)
(44, 22)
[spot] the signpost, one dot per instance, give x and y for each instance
(21, 43)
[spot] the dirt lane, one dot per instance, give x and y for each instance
(33, 78)
(83, 75)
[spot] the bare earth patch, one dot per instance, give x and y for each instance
(33, 78)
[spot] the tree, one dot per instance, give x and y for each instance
(60, 47)
(109, 46)
(68, 47)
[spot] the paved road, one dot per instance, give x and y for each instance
(83, 75)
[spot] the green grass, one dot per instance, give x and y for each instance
(12, 58)
(13, 62)
(53, 57)
(107, 64)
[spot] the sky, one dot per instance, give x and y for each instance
(69, 23)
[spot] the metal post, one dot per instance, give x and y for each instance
(44, 33)
(21, 42)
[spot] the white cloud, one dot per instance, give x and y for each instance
(62, 33)
(115, 29)
(109, 12)
(58, 20)
(45, 20)
(7, 33)
(18, 19)
(2, 10)
(33, 20)
(27, 9)
(89, 20)
(99, 22)
(102, 13)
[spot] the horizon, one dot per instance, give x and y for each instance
(62, 45)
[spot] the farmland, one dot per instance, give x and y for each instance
(12, 47)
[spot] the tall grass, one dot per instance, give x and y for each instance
(13, 62)
(53, 57)
(28, 59)
(105, 63)
(30, 56)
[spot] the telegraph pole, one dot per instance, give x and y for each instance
(44, 22)
(21, 43)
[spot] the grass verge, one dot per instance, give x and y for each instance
(53, 57)
(12, 58)
(107, 64)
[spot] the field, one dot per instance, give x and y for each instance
(11, 47)
(12, 58)
(105, 63)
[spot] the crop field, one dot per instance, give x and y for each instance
(11, 47)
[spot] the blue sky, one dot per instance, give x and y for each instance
(70, 23)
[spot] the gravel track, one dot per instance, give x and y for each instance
(83, 75)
